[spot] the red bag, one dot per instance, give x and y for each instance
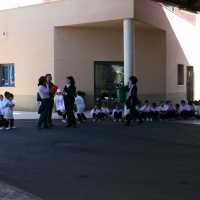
(54, 88)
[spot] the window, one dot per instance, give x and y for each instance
(7, 75)
(180, 74)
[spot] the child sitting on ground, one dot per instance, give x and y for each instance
(171, 111)
(183, 114)
(117, 113)
(79, 101)
(162, 110)
(104, 110)
(8, 112)
(60, 106)
(145, 111)
(154, 112)
(96, 113)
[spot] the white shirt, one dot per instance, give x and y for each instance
(4, 104)
(115, 110)
(127, 111)
(197, 108)
(104, 110)
(58, 100)
(171, 108)
(162, 108)
(146, 108)
(182, 108)
(154, 109)
(79, 101)
(1, 107)
(8, 111)
(95, 111)
(188, 107)
(138, 108)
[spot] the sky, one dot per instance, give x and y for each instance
(7, 4)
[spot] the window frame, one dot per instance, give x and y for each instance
(183, 79)
(9, 77)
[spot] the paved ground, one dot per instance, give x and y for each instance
(103, 161)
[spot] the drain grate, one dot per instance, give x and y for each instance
(67, 144)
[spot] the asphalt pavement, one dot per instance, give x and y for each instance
(102, 161)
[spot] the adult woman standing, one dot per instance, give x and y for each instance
(51, 102)
(69, 96)
(132, 100)
(43, 91)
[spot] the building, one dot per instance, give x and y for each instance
(97, 42)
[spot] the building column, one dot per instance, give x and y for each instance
(129, 49)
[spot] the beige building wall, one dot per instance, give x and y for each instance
(181, 44)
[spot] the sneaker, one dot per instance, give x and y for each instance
(79, 122)
(120, 120)
(161, 120)
(13, 127)
(143, 119)
(94, 120)
(64, 121)
(147, 119)
(8, 128)
(115, 120)
(99, 120)
(1, 128)
(151, 119)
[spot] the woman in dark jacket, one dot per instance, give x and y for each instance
(69, 95)
(132, 100)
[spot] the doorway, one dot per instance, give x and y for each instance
(190, 83)
(107, 75)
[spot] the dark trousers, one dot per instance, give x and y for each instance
(49, 115)
(153, 115)
(44, 112)
(96, 115)
(1, 121)
(104, 115)
(70, 114)
(184, 114)
(133, 113)
(117, 115)
(63, 114)
(81, 117)
(163, 115)
(9, 122)
(171, 114)
(145, 114)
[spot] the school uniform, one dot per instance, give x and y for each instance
(183, 113)
(190, 111)
(105, 112)
(60, 107)
(69, 99)
(139, 110)
(8, 115)
(79, 101)
(171, 112)
(96, 113)
(153, 113)
(127, 113)
(197, 109)
(1, 115)
(117, 113)
(162, 110)
(146, 111)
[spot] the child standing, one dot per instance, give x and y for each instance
(8, 112)
(1, 112)
(79, 101)
(117, 113)
(96, 113)
(59, 102)
(104, 110)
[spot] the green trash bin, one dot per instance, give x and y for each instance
(121, 94)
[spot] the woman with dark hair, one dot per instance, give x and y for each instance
(132, 100)
(69, 96)
(43, 91)
(51, 102)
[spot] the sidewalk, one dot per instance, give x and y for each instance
(35, 115)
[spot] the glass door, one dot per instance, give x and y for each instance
(107, 76)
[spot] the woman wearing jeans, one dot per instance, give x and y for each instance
(43, 91)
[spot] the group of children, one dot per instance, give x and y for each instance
(6, 111)
(165, 111)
